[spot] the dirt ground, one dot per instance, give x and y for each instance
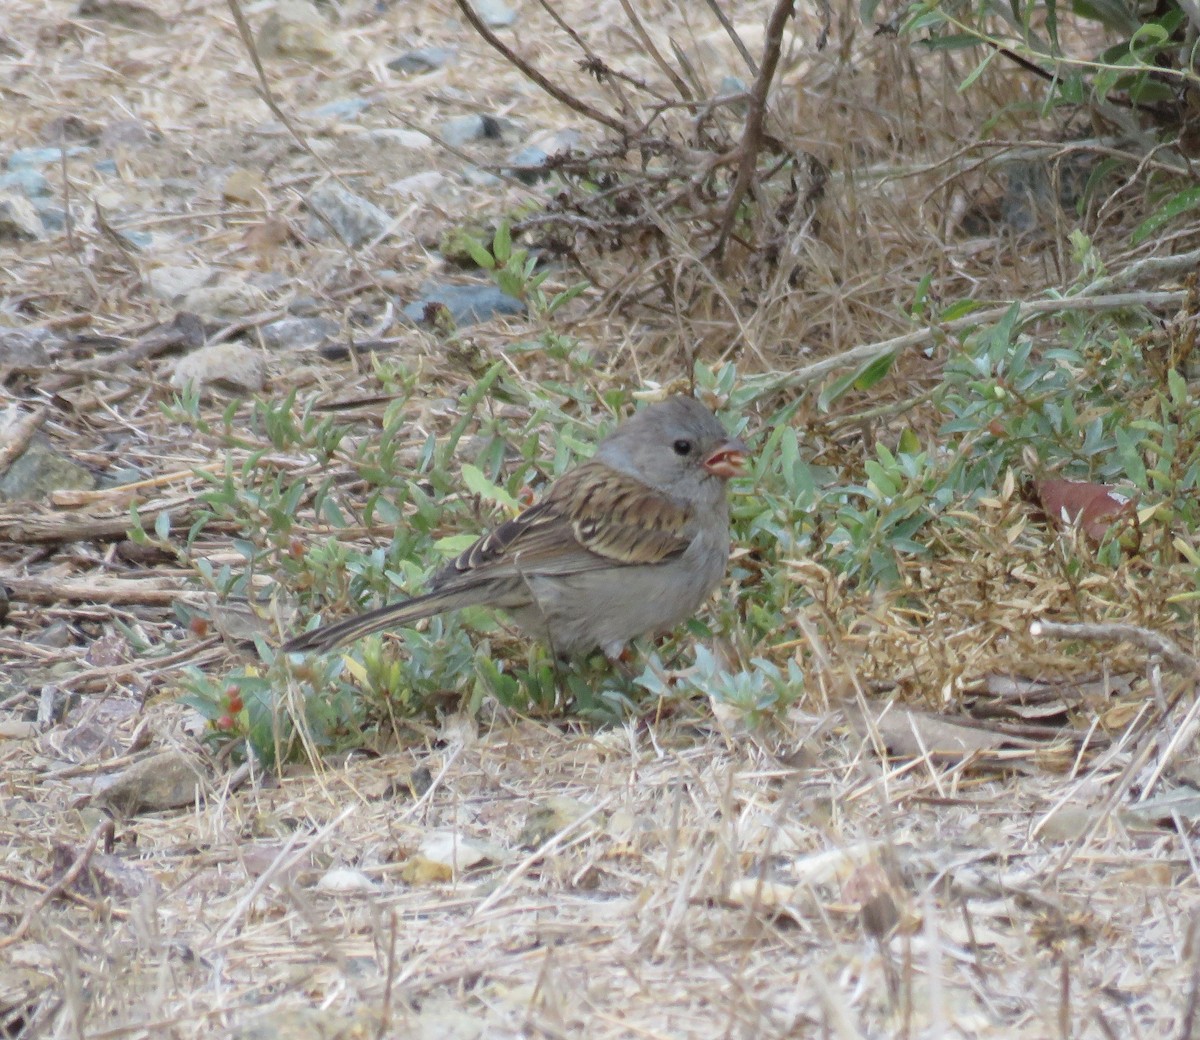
(498, 876)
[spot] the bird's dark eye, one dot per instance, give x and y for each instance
(682, 447)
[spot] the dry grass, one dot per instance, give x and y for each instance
(677, 877)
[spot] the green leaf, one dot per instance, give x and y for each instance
(565, 296)
(921, 296)
(952, 42)
(1114, 14)
(1177, 204)
(137, 533)
(502, 243)
(976, 72)
(1052, 24)
(453, 544)
(862, 378)
(960, 309)
(477, 252)
(479, 485)
(1178, 387)
(162, 525)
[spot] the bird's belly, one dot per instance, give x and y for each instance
(577, 613)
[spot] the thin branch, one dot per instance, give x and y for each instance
(731, 32)
(1146, 638)
(532, 74)
(752, 136)
(103, 830)
(20, 433)
(1033, 308)
(648, 44)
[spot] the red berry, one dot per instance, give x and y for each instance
(224, 723)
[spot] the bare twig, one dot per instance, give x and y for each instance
(648, 44)
(124, 591)
(264, 88)
(105, 830)
(731, 32)
(752, 136)
(19, 435)
(1146, 638)
(868, 351)
(532, 74)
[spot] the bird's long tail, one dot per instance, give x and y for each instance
(393, 615)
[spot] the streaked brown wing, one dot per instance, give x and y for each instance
(591, 517)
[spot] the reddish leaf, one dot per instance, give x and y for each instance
(1092, 507)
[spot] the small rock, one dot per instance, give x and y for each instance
(295, 29)
(305, 307)
(458, 852)
(529, 164)
(128, 133)
(165, 781)
(467, 304)
(39, 470)
(346, 108)
(344, 881)
(223, 301)
(54, 702)
(139, 240)
(124, 14)
(35, 157)
(233, 366)
(57, 634)
(26, 181)
(70, 128)
(549, 817)
(494, 13)
(171, 283)
(481, 178)
(419, 185)
(107, 876)
(267, 236)
(271, 282)
(412, 140)
(25, 348)
(460, 130)
(54, 218)
(423, 59)
(110, 649)
(19, 221)
(244, 186)
(300, 333)
(282, 1022)
(731, 85)
(354, 219)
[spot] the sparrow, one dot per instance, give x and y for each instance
(629, 543)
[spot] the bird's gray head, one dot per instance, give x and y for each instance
(678, 447)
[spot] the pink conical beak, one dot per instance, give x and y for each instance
(727, 460)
